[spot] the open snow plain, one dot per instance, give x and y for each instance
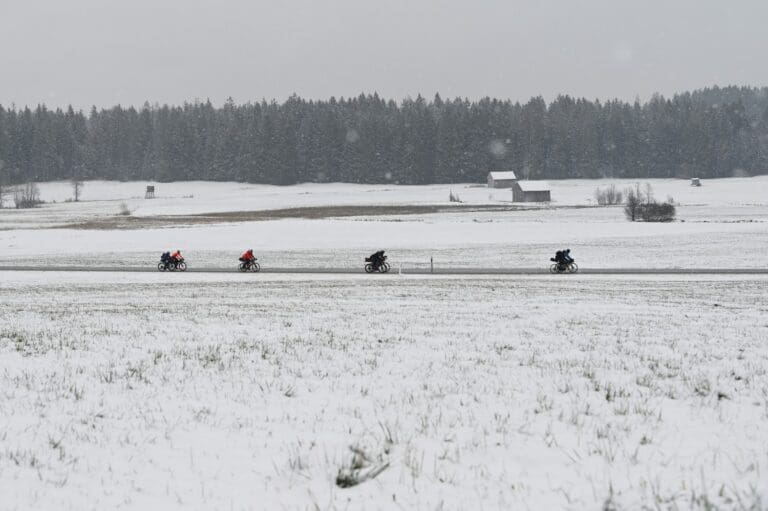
(195, 391)
(265, 391)
(723, 224)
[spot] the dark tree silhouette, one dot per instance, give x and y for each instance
(717, 132)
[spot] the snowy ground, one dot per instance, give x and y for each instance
(157, 391)
(144, 391)
(724, 223)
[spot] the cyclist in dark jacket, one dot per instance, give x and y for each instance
(377, 258)
(165, 258)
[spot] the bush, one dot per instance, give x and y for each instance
(609, 196)
(641, 205)
(27, 196)
(452, 197)
(657, 212)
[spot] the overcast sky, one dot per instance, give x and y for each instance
(105, 52)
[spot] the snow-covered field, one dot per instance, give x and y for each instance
(193, 391)
(259, 391)
(724, 223)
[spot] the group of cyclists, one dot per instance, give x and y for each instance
(172, 261)
(563, 262)
(175, 261)
(376, 262)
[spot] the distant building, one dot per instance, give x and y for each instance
(501, 179)
(530, 191)
(695, 181)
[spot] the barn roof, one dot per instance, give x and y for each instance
(534, 186)
(502, 175)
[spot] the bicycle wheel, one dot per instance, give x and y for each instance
(553, 268)
(384, 268)
(242, 267)
(161, 267)
(369, 268)
(255, 267)
(182, 266)
(573, 268)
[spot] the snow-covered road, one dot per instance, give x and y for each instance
(406, 270)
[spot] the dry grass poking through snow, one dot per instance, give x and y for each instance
(264, 392)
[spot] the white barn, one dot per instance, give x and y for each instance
(531, 191)
(501, 179)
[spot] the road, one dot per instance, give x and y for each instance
(410, 271)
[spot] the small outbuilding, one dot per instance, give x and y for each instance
(695, 181)
(501, 179)
(531, 191)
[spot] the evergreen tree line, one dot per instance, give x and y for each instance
(717, 132)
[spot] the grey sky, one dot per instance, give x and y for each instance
(105, 52)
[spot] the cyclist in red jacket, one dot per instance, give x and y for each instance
(247, 256)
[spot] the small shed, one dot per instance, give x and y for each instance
(695, 181)
(531, 191)
(150, 193)
(501, 179)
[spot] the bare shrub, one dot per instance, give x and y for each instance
(77, 188)
(641, 205)
(453, 197)
(635, 198)
(5, 189)
(609, 196)
(27, 196)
